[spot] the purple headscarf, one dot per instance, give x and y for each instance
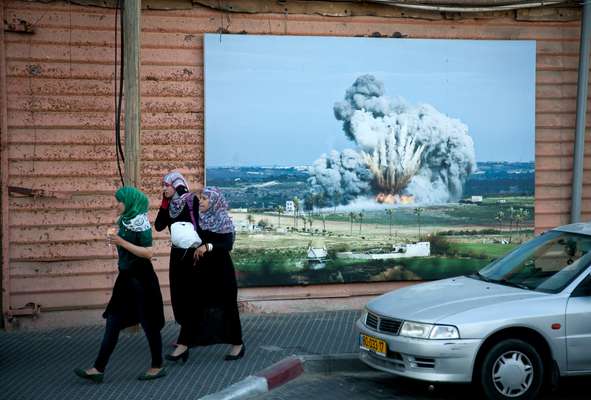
(216, 218)
(177, 202)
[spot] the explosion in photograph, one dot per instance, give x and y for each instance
(403, 150)
(413, 160)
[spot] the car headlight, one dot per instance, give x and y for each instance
(415, 330)
(363, 316)
(444, 332)
(428, 331)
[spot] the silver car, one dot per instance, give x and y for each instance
(514, 326)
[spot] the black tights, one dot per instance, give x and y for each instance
(112, 335)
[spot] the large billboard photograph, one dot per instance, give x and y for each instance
(370, 159)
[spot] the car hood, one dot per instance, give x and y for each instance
(433, 301)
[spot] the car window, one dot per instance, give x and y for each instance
(547, 264)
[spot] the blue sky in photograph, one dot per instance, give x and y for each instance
(269, 99)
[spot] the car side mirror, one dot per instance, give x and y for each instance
(584, 288)
(582, 292)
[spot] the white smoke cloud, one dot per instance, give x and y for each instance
(342, 177)
(402, 149)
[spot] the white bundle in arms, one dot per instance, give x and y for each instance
(183, 235)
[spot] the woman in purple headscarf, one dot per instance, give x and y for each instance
(218, 293)
(203, 287)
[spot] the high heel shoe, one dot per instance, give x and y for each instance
(148, 377)
(97, 378)
(183, 356)
(230, 357)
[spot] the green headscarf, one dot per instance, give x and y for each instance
(135, 201)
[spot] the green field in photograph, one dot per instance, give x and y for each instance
(449, 214)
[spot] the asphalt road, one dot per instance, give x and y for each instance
(380, 386)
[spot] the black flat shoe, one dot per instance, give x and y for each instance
(183, 356)
(149, 377)
(230, 357)
(97, 378)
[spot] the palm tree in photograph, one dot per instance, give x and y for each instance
(518, 219)
(296, 211)
(310, 222)
(337, 200)
(418, 212)
(279, 210)
(511, 222)
(520, 216)
(309, 202)
(313, 203)
(499, 218)
(250, 220)
(390, 214)
(352, 217)
(525, 214)
(318, 201)
(323, 216)
(360, 215)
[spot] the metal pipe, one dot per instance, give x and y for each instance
(469, 9)
(4, 173)
(582, 89)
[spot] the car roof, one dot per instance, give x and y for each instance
(582, 228)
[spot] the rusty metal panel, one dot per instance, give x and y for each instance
(60, 126)
(60, 132)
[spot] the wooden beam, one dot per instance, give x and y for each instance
(4, 165)
(131, 77)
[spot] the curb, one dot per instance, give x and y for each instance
(286, 370)
(329, 364)
(268, 379)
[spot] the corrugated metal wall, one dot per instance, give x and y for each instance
(60, 126)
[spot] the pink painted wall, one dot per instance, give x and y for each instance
(60, 114)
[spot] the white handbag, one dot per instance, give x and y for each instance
(183, 235)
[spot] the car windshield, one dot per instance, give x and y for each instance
(547, 263)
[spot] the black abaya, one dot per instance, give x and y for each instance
(203, 296)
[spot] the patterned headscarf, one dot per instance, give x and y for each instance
(177, 202)
(216, 218)
(135, 214)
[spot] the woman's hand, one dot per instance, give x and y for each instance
(165, 201)
(199, 253)
(113, 238)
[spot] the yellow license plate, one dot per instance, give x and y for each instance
(372, 344)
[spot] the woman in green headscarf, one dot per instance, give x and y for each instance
(136, 295)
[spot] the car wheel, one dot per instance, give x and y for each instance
(512, 369)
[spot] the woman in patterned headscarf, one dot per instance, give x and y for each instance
(136, 295)
(175, 193)
(218, 293)
(177, 206)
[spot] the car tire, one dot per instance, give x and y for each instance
(512, 369)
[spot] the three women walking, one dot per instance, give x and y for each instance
(202, 280)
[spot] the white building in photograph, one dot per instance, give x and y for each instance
(289, 207)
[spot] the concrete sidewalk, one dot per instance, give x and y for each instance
(39, 365)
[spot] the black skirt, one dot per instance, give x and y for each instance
(204, 298)
(136, 294)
